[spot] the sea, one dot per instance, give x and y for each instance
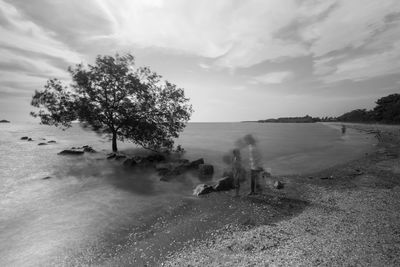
(69, 210)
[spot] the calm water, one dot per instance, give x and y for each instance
(88, 198)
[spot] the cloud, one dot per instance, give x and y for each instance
(29, 54)
(349, 24)
(272, 78)
(361, 68)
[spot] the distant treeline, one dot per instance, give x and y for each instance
(387, 110)
(305, 119)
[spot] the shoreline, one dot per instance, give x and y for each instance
(351, 218)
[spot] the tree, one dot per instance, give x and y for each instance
(357, 115)
(113, 97)
(387, 109)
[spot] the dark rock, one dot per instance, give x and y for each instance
(278, 185)
(89, 149)
(51, 141)
(228, 174)
(156, 158)
(164, 179)
(196, 163)
(203, 189)
(224, 184)
(130, 162)
(111, 155)
(46, 178)
(24, 138)
(42, 144)
(164, 168)
(183, 161)
(206, 171)
(71, 152)
(118, 157)
(30, 139)
(4, 121)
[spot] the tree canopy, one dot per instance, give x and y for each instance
(113, 97)
(387, 110)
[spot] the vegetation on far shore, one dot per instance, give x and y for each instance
(387, 110)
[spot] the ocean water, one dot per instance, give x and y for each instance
(89, 199)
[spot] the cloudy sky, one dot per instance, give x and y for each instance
(237, 60)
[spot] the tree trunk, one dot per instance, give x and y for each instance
(114, 142)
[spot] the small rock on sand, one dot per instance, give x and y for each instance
(278, 185)
(203, 189)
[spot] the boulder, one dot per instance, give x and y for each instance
(206, 171)
(278, 185)
(183, 161)
(89, 149)
(71, 152)
(227, 173)
(224, 184)
(24, 138)
(196, 163)
(51, 141)
(30, 139)
(118, 157)
(42, 144)
(111, 155)
(130, 162)
(4, 121)
(203, 189)
(156, 158)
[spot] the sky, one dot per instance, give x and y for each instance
(237, 60)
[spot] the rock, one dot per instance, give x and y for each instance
(111, 155)
(71, 152)
(118, 157)
(46, 178)
(156, 158)
(228, 174)
(206, 171)
(203, 189)
(196, 163)
(278, 185)
(24, 138)
(130, 162)
(42, 144)
(89, 149)
(50, 142)
(4, 121)
(30, 139)
(224, 184)
(183, 161)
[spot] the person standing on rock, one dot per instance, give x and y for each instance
(237, 170)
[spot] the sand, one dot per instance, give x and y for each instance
(343, 216)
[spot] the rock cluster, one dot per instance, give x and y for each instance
(77, 150)
(223, 184)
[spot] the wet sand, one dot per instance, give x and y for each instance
(350, 216)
